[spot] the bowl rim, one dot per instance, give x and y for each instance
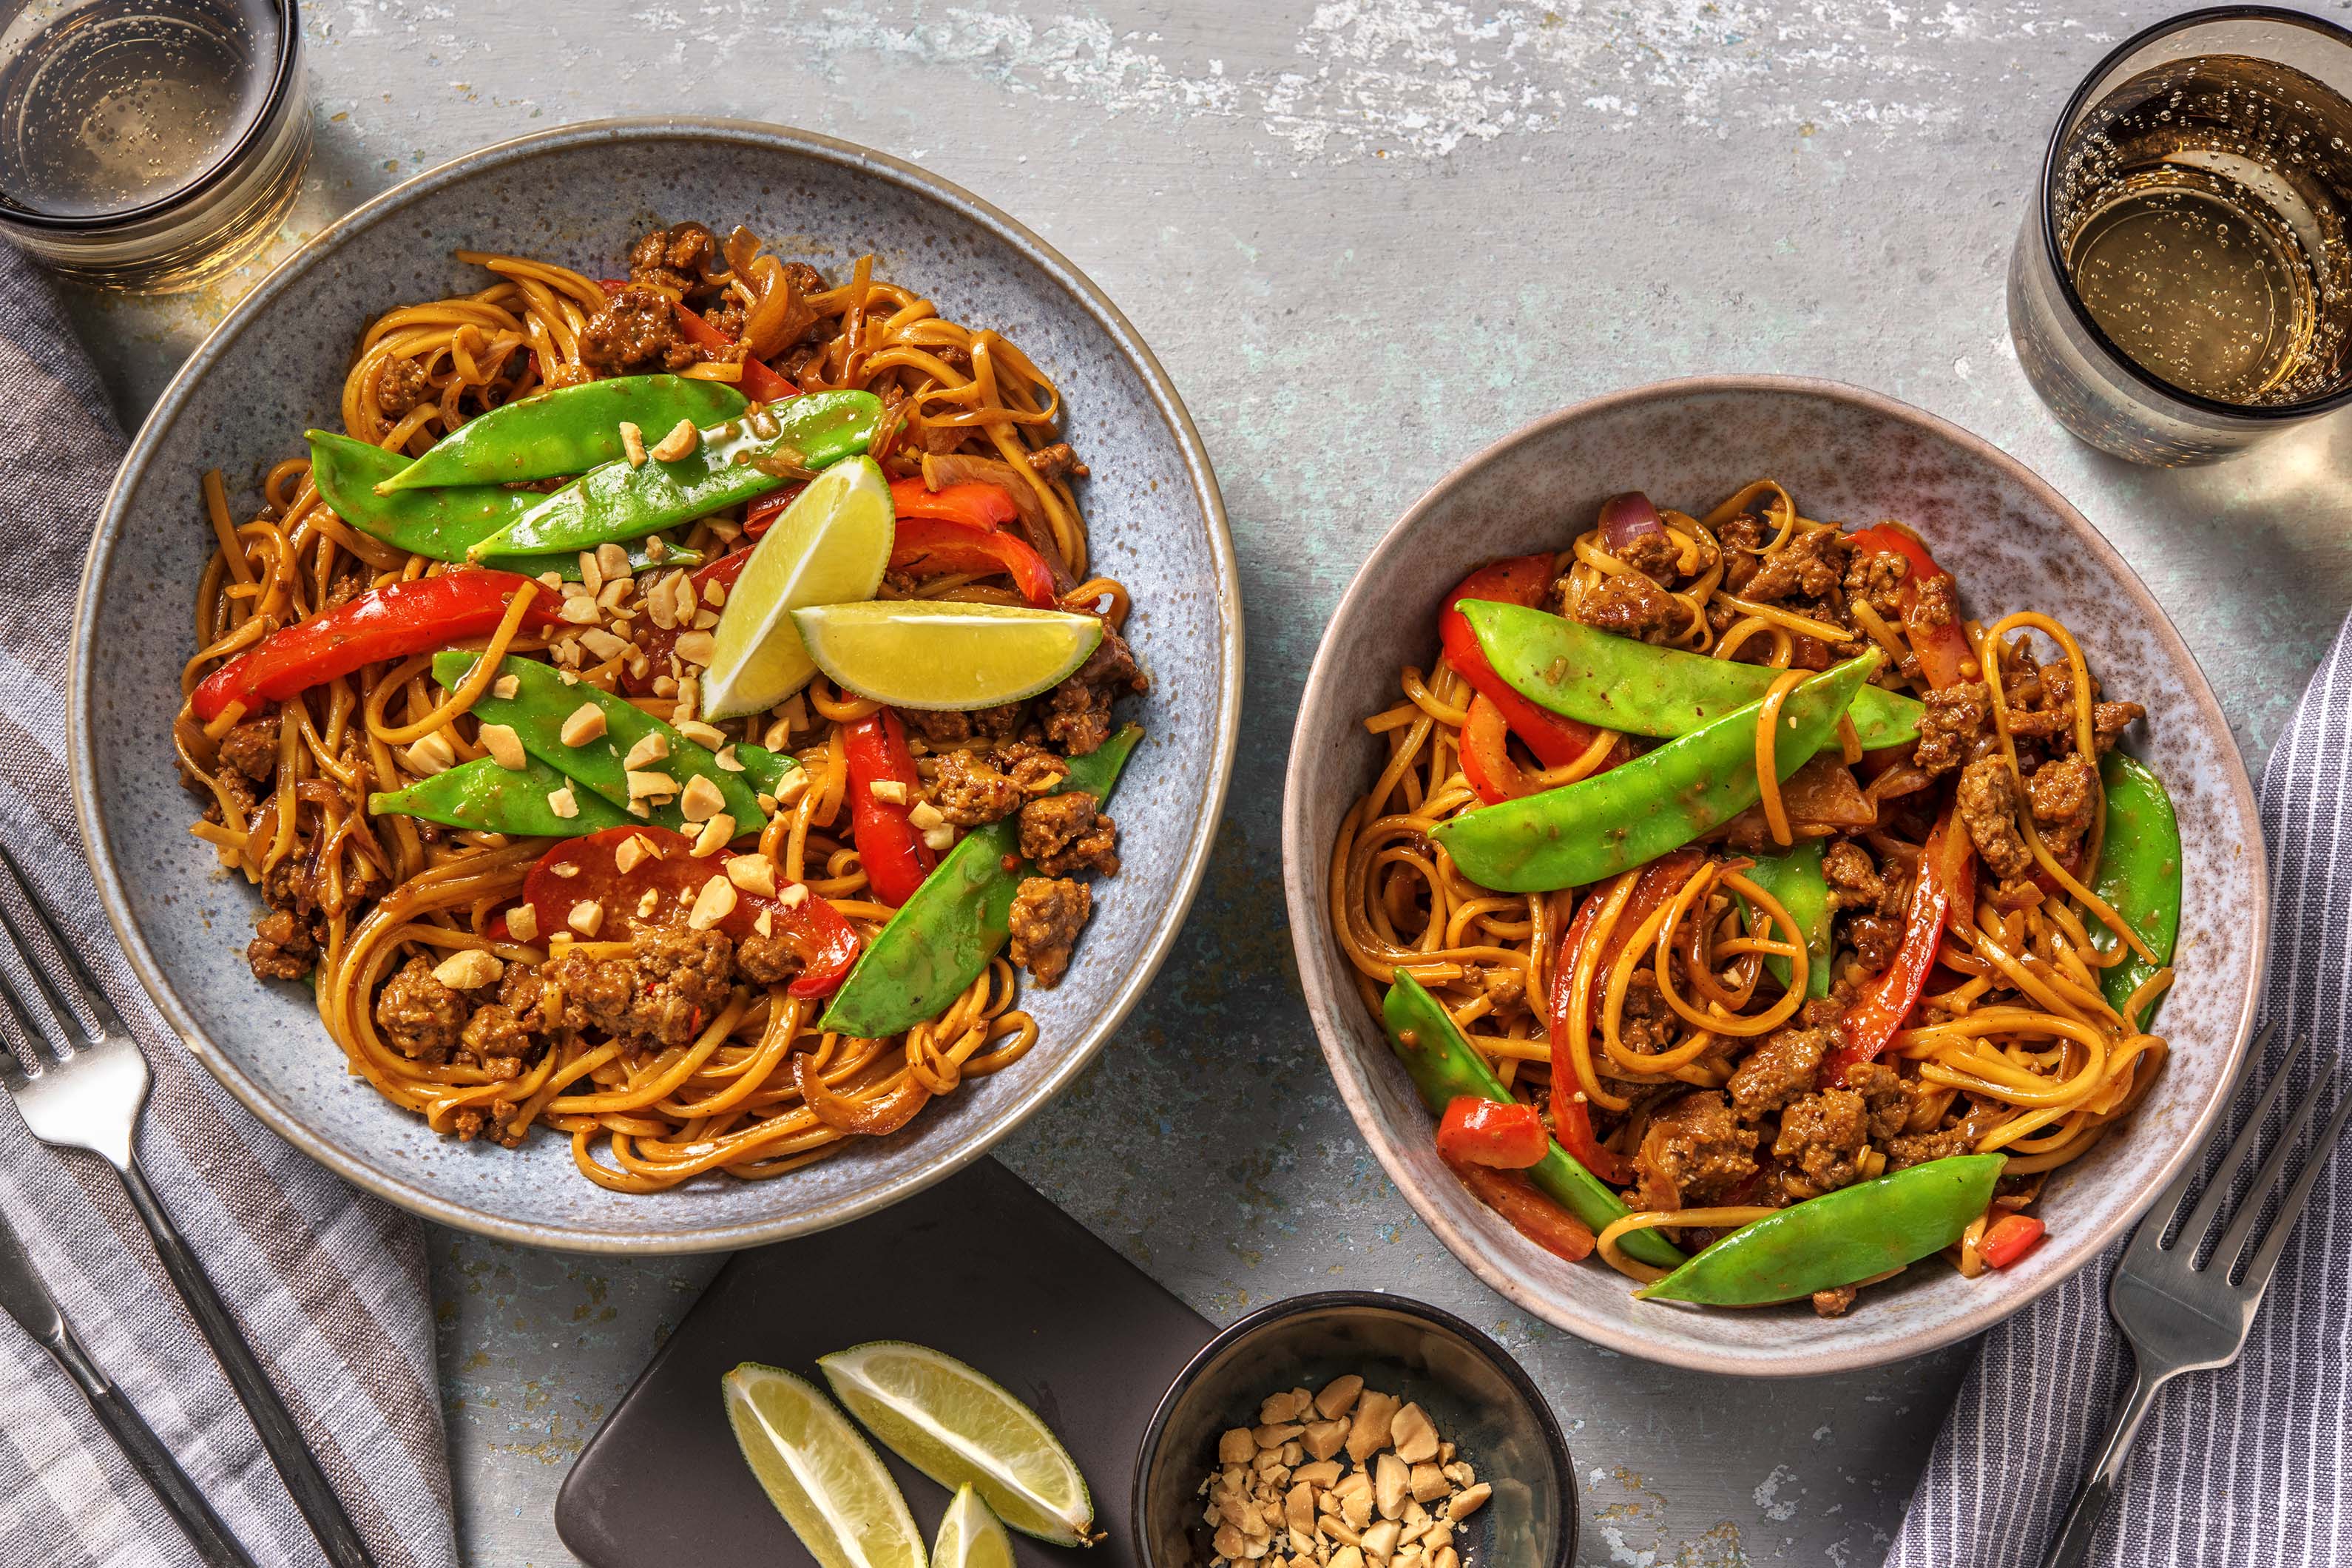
(1321, 980)
(1563, 1465)
(90, 809)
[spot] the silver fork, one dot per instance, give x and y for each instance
(2181, 1315)
(87, 1094)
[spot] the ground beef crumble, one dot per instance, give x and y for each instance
(637, 329)
(1987, 800)
(1048, 915)
(1064, 833)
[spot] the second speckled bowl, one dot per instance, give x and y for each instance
(2013, 543)
(580, 194)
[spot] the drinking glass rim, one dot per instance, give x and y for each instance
(2260, 412)
(290, 33)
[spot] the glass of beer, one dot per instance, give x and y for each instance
(2183, 286)
(149, 145)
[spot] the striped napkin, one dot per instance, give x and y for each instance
(2248, 1465)
(328, 1282)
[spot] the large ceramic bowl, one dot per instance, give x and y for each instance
(2013, 543)
(580, 194)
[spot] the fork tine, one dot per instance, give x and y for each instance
(2266, 1257)
(2148, 1240)
(20, 1008)
(2242, 1153)
(92, 995)
(2233, 1240)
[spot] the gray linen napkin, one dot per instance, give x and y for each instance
(328, 1282)
(2248, 1465)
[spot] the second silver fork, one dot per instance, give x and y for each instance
(87, 1095)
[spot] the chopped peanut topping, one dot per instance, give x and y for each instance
(713, 904)
(604, 644)
(613, 561)
(651, 749)
(698, 648)
(579, 609)
(505, 747)
(633, 442)
(715, 833)
(889, 791)
(592, 573)
(681, 441)
(766, 924)
(522, 923)
(645, 786)
(564, 803)
(582, 724)
(924, 816)
(940, 839)
(702, 799)
(704, 734)
(794, 785)
(469, 970)
(729, 760)
(587, 917)
(631, 853)
(793, 897)
(430, 755)
(507, 688)
(648, 902)
(753, 874)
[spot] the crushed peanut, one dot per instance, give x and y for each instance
(651, 750)
(713, 904)
(504, 746)
(587, 917)
(522, 923)
(613, 561)
(681, 441)
(715, 833)
(697, 648)
(702, 800)
(564, 803)
(469, 970)
(793, 897)
(703, 734)
(1282, 1495)
(753, 874)
(582, 724)
(604, 644)
(729, 760)
(592, 573)
(646, 786)
(507, 688)
(633, 443)
(430, 755)
(631, 853)
(890, 792)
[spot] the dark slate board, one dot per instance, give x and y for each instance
(979, 1267)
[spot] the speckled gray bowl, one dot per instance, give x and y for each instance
(1854, 457)
(580, 194)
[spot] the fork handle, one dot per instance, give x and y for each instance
(147, 1454)
(2072, 1546)
(283, 1440)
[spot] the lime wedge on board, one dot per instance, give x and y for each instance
(971, 1536)
(829, 546)
(961, 1429)
(821, 1476)
(934, 653)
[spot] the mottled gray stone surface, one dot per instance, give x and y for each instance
(1365, 237)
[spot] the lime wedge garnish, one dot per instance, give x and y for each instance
(931, 653)
(971, 1536)
(961, 1428)
(821, 1476)
(829, 546)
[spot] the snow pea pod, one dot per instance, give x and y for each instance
(733, 463)
(482, 795)
(2138, 873)
(569, 430)
(542, 703)
(1661, 800)
(1445, 1066)
(1795, 878)
(443, 524)
(944, 935)
(1837, 1238)
(1618, 683)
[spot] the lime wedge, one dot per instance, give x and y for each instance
(930, 653)
(971, 1536)
(821, 1476)
(829, 546)
(961, 1428)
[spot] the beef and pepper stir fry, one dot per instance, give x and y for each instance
(1748, 912)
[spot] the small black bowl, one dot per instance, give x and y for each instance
(1477, 1395)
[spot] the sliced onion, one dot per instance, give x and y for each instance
(1628, 517)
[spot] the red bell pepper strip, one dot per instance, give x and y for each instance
(1527, 1211)
(894, 855)
(760, 384)
(980, 507)
(1943, 648)
(1486, 759)
(1571, 1114)
(585, 870)
(1519, 580)
(1944, 891)
(2011, 1238)
(1506, 1137)
(761, 514)
(390, 622)
(926, 545)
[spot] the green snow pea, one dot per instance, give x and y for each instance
(482, 795)
(443, 524)
(731, 465)
(943, 936)
(542, 701)
(1445, 1066)
(569, 430)
(2138, 873)
(1661, 800)
(1794, 877)
(1618, 683)
(1839, 1238)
